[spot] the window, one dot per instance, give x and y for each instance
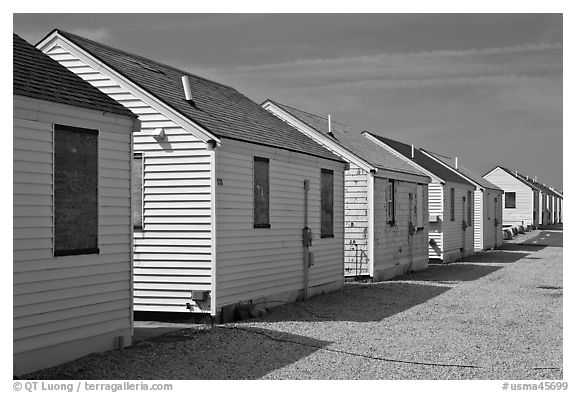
(469, 208)
(391, 203)
(261, 192)
(75, 191)
(452, 202)
(419, 206)
(509, 200)
(137, 188)
(327, 203)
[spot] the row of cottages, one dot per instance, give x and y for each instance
(386, 199)
(487, 204)
(524, 202)
(230, 203)
(450, 202)
(72, 246)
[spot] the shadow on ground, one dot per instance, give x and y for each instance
(509, 255)
(217, 353)
(358, 302)
(521, 247)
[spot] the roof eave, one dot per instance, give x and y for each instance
(178, 117)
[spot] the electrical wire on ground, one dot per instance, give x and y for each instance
(379, 358)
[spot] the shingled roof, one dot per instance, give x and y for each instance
(36, 75)
(353, 141)
(464, 171)
(219, 109)
(423, 160)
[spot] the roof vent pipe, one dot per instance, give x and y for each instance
(186, 86)
(535, 178)
(516, 173)
(456, 162)
(412, 151)
(330, 126)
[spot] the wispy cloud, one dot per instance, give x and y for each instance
(102, 35)
(407, 70)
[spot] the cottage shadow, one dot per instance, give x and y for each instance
(358, 302)
(495, 256)
(224, 352)
(521, 247)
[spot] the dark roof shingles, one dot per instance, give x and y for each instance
(354, 142)
(424, 161)
(465, 171)
(36, 75)
(219, 109)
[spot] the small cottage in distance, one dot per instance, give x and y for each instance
(487, 204)
(386, 199)
(450, 202)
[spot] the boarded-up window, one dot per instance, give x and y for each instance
(391, 203)
(452, 203)
(419, 206)
(137, 187)
(327, 203)
(261, 192)
(509, 200)
(469, 208)
(75, 191)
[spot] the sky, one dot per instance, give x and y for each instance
(486, 88)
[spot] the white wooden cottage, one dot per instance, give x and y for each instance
(386, 199)
(522, 200)
(487, 204)
(450, 203)
(235, 205)
(557, 206)
(72, 259)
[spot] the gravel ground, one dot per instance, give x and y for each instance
(494, 315)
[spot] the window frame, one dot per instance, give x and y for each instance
(419, 206)
(469, 208)
(138, 156)
(506, 202)
(326, 233)
(452, 204)
(255, 201)
(95, 250)
(391, 202)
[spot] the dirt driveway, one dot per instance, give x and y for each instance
(494, 315)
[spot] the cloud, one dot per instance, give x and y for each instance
(101, 35)
(405, 70)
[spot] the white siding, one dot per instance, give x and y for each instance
(456, 242)
(356, 222)
(254, 263)
(84, 299)
(395, 251)
(436, 213)
(172, 253)
(492, 233)
(525, 201)
(480, 205)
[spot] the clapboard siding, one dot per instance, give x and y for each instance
(526, 200)
(480, 203)
(436, 213)
(393, 246)
(456, 241)
(57, 300)
(356, 222)
(492, 233)
(259, 262)
(176, 195)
